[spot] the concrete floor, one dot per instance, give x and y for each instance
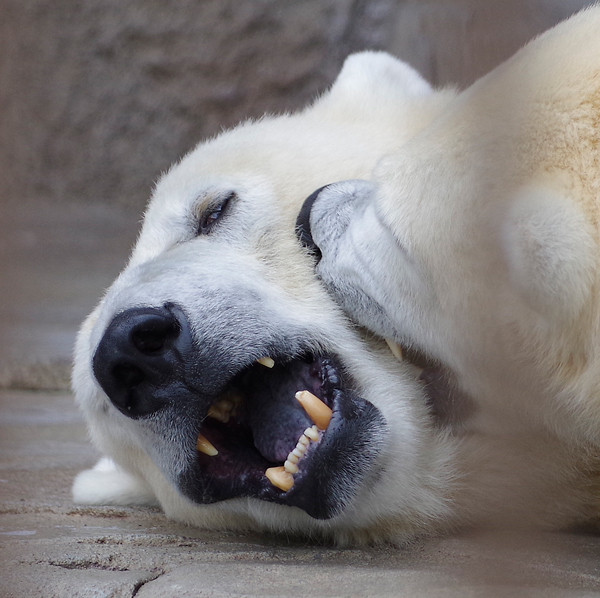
(49, 547)
(55, 262)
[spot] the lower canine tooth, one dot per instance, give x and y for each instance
(205, 446)
(316, 409)
(266, 361)
(395, 348)
(280, 478)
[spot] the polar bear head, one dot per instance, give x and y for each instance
(188, 369)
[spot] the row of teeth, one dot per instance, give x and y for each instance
(224, 409)
(281, 477)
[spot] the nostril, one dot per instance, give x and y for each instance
(154, 335)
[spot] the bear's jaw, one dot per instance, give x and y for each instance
(292, 433)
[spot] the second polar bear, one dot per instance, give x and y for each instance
(477, 243)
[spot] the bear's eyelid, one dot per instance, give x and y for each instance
(213, 212)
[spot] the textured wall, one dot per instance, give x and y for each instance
(98, 97)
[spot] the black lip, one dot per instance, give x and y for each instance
(330, 475)
(303, 230)
(335, 470)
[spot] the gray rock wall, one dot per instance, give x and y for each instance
(98, 97)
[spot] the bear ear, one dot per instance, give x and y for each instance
(551, 251)
(381, 71)
(369, 78)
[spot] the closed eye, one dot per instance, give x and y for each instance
(213, 213)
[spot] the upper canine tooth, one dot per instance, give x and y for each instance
(315, 408)
(280, 478)
(205, 446)
(395, 348)
(268, 362)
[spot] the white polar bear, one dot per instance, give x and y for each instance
(187, 370)
(477, 244)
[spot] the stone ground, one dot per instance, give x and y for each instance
(61, 260)
(49, 547)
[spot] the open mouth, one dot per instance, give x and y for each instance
(286, 431)
(289, 428)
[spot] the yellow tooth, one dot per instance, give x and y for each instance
(204, 446)
(316, 409)
(395, 348)
(266, 361)
(280, 478)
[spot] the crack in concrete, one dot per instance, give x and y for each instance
(138, 586)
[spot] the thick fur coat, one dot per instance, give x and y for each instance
(474, 243)
(477, 244)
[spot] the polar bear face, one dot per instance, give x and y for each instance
(188, 369)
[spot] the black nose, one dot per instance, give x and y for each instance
(303, 224)
(139, 356)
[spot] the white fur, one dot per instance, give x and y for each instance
(477, 242)
(107, 484)
(550, 249)
(273, 164)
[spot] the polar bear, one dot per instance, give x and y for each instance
(222, 381)
(188, 369)
(476, 245)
